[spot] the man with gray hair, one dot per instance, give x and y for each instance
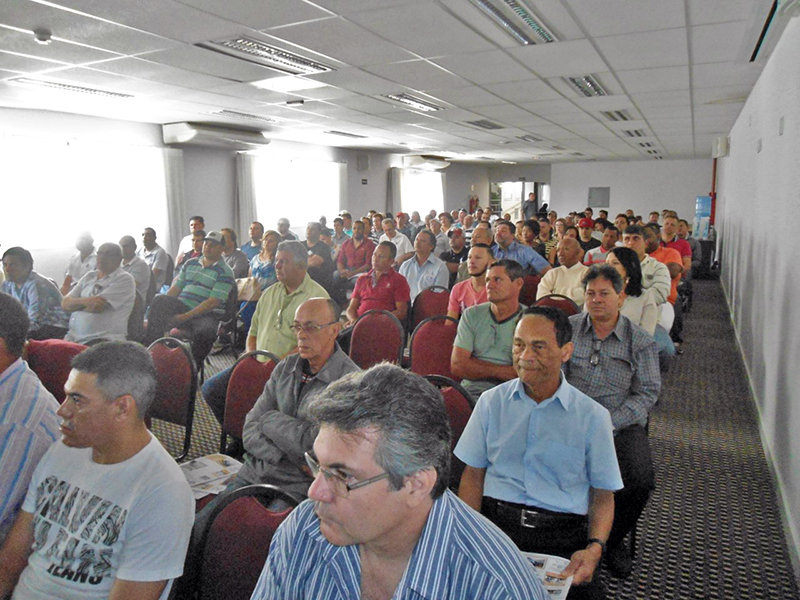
(380, 521)
(101, 302)
(108, 512)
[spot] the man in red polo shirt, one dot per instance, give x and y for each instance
(382, 288)
(670, 239)
(353, 260)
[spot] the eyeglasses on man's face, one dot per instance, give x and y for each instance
(337, 483)
(309, 328)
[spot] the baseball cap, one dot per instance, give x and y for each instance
(214, 236)
(586, 223)
(454, 231)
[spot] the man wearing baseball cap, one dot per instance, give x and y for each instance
(585, 231)
(196, 300)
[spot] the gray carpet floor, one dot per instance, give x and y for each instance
(712, 529)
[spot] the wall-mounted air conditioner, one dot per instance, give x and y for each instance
(215, 136)
(425, 161)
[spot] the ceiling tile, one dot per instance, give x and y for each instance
(151, 71)
(368, 105)
(614, 17)
(720, 42)
(655, 80)
(721, 95)
(359, 81)
(524, 91)
(484, 67)
(467, 96)
(26, 64)
(511, 115)
(724, 74)
(261, 14)
(703, 12)
(602, 103)
(209, 62)
(649, 99)
(665, 48)
(417, 74)
(561, 59)
(426, 29)
(23, 43)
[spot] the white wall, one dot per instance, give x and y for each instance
(643, 186)
(209, 176)
(758, 191)
(463, 180)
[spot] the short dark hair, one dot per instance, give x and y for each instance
(633, 269)
(533, 225)
(684, 221)
(392, 248)
(121, 368)
(432, 236)
(606, 272)
(151, 230)
(23, 255)
(231, 233)
(512, 228)
(654, 227)
(557, 317)
(485, 246)
(513, 269)
(200, 232)
(407, 412)
(14, 324)
(634, 230)
(338, 220)
(259, 223)
(198, 218)
(571, 227)
(612, 227)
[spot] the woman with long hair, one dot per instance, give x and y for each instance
(639, 305)
(262, 265)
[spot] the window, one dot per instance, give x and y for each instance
(53, 189)
(421, 191)
(300, 190)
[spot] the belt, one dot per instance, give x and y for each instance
(532, 517)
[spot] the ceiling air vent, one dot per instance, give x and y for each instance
(658, 157)
(646, 145)
(530, 138)
(586, 85)
(634, 132)
(243, 116)
(414, 102)
(345, 134)
(517, 20)
(65, 87)
(616, 115)
(652, 151)
(485, 124)
(577, 154)
(255, 51)
(560, 148)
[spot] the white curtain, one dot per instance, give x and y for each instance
(244, 207)
(394, 201)
(176, 199)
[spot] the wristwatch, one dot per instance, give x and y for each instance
(599, 542)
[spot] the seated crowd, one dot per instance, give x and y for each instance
(556, 453)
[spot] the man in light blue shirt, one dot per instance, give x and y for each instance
(423, 269)
(380, 521)
(540, 455)
(508, 247)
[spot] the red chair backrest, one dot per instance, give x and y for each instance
(429, 302)
(459, 405)
(51, 360)
(558, 301)
(527, 295)
(377, 336)
(431, 346)
(176, 381)
(235, 548)
(248, 378)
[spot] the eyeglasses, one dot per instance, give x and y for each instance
(309, 328)
(337, 483)
(594, 359)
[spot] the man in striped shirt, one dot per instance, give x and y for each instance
(28, 422)
(197, 299)
(380, 521)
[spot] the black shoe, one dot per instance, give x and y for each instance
(619, 560)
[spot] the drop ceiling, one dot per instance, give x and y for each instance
(675, 73)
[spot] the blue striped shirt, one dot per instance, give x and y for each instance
(199, 283)
(28, 427)
(460, 556)
(42, 300)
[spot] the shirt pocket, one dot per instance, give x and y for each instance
(565, 465)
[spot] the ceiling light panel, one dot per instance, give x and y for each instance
(517, 20)
(65, 87)
(586, 85)
(414, 102)
(288, 84)
(243, 116)
(256, 51)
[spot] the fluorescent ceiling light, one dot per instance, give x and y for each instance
(244, 116)
(258, 52)
(65, 87)
(586, 85)
(414, 102)
(528, 28)
(288, 84)
(346, 134)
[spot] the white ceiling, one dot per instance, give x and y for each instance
(678, 68)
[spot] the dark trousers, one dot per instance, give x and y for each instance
(48, 332)
(558, 534)
(638, 480)
(215, 389)
(203, 329)
(676, 333)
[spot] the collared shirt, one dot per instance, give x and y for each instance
(682, 246)
(77, 267)
(338, 240)
(625, 379)
(140, 271)
(198, 283)
(352, 258)
(278, 429)
(274, 315)
(28, 426)
(400, 241)
(250, 250)
(460, 555)
(432, 272)
(655, 277)
(524, 255)
(158, 260)
(119, 290)
(595, 256)
(545, 454)
(41, 298)
(381, 292)
(564, 281)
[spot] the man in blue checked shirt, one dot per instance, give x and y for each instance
(380, 521)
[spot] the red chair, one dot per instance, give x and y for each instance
(234, 546)
(431, 346)
(248, 378)
(527, 295)
(558, 301)
(51, 360)
(377, 336)
(430, 302)
(176, 386)
(459, 405)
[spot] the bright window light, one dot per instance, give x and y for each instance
(300, 190)
(53, 189)
(422, 191)
(288, 84)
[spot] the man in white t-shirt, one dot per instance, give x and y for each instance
(108, 512)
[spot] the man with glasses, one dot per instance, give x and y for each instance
(380, 521)
(278, 431)
(615, 363)
(271, 326)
